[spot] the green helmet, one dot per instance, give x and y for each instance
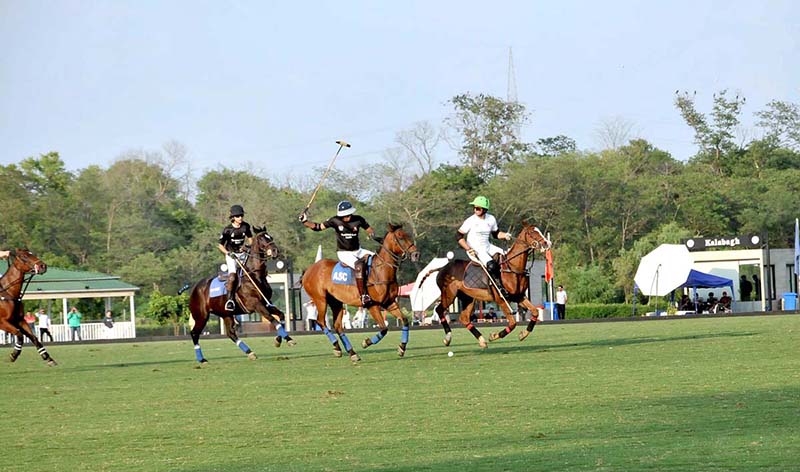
(480, 201)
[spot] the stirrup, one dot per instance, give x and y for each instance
(365, 300)
(230, 305)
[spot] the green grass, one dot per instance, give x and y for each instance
(700, 394)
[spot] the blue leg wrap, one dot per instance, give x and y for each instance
(330, 335)
(245, 349)
(347, 346)
(198, 353)
(281, 331)
(377, 338)
(404, 334)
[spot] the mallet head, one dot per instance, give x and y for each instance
(343, 143)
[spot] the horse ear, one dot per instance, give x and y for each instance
(524, 223)
(259, 229)
(393, 227)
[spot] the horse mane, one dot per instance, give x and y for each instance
(394, 227)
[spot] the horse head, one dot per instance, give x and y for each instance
(264, 246)
(25, 261)
(533, 238)
(400, 243)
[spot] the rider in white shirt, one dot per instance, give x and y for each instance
(473, 236)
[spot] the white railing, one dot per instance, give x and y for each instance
(89, 332)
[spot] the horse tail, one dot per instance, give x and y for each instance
(421, 282)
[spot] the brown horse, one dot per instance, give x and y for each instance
(252, 295)
(382, 287)
(21, 262)
(514, 276)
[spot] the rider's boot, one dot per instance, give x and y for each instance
(230, 285)
(493, 268)
(361, 282)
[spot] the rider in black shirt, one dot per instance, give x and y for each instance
(347, 224)
(231, 242)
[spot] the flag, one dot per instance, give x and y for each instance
(548, 268)
(796, 247)
(319, 254)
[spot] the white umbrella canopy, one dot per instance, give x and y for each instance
(424, 296)
(663, 270)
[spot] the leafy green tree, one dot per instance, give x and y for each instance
(782, 123)
(715, 136)
(487, 135)
(169, 309)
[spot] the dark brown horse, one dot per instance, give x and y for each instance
(253, 294)
(514, 276)
(21, 262)
(382, 287)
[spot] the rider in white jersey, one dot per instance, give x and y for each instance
(474, 233)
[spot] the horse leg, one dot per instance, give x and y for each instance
(337, 326)
(534, 318)
(394, 309)
(375, 313)
(322, 308)
(469, 304)
(199, 325)
(277, 318)
(512, 323)
(26, 330)
(230, 328)
(446, 299)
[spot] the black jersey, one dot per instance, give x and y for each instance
(233, 238)
(347, 231)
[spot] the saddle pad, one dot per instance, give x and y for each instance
(343, 275)
(475, 277)
(217, 288)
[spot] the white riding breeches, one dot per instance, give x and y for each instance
(485, 254)
(349, 258)
(232, 265)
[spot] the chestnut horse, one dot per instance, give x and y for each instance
(21, 262)
(514, 276)
(249, 298)
(382, 287)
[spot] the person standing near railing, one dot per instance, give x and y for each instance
(74, 322)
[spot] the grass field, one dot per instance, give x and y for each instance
(700, 394)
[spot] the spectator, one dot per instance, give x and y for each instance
(491, 315)
(74, 321)
(311, 315)
(745, 288)
(724, 304)
(561, 303)
(711, 302)
(685, 303)
(108, 325)
(44, 325)
(31, 321)
(360, 318)
(757, 287)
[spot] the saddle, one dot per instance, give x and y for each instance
(475, 277)
(343, 275)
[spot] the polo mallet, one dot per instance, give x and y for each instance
(341, 144)
(244, 271)
(494, 284)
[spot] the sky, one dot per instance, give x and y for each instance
(270, 85)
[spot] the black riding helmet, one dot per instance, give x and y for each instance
(237, 210)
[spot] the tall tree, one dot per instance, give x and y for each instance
(486, 127)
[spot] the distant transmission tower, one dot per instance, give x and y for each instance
(511, 93)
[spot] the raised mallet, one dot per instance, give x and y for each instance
(342, 144)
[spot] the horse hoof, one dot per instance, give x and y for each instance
(447, 339)
(354, 358)
(366, 343)
(482, 342)
(203, 361)
(252, 356)
(276, 343)
(400, 351)
(337, 353)
(52, 363)
(494, 337)
(291, 343)
(524, 334)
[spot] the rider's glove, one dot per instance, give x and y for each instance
(303, 217)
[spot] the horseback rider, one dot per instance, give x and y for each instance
(349, 251)
(473, 236)
(231, 243)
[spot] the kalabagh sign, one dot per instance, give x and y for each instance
(750, 241)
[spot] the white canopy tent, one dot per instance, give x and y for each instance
(663, 270)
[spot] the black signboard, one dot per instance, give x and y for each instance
(748, 241)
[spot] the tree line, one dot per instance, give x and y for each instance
(145, 219)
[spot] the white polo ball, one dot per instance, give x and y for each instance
(450, 255)
(450, 354)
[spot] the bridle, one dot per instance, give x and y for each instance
(397, 258)
(528, 250)
(25, 278)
